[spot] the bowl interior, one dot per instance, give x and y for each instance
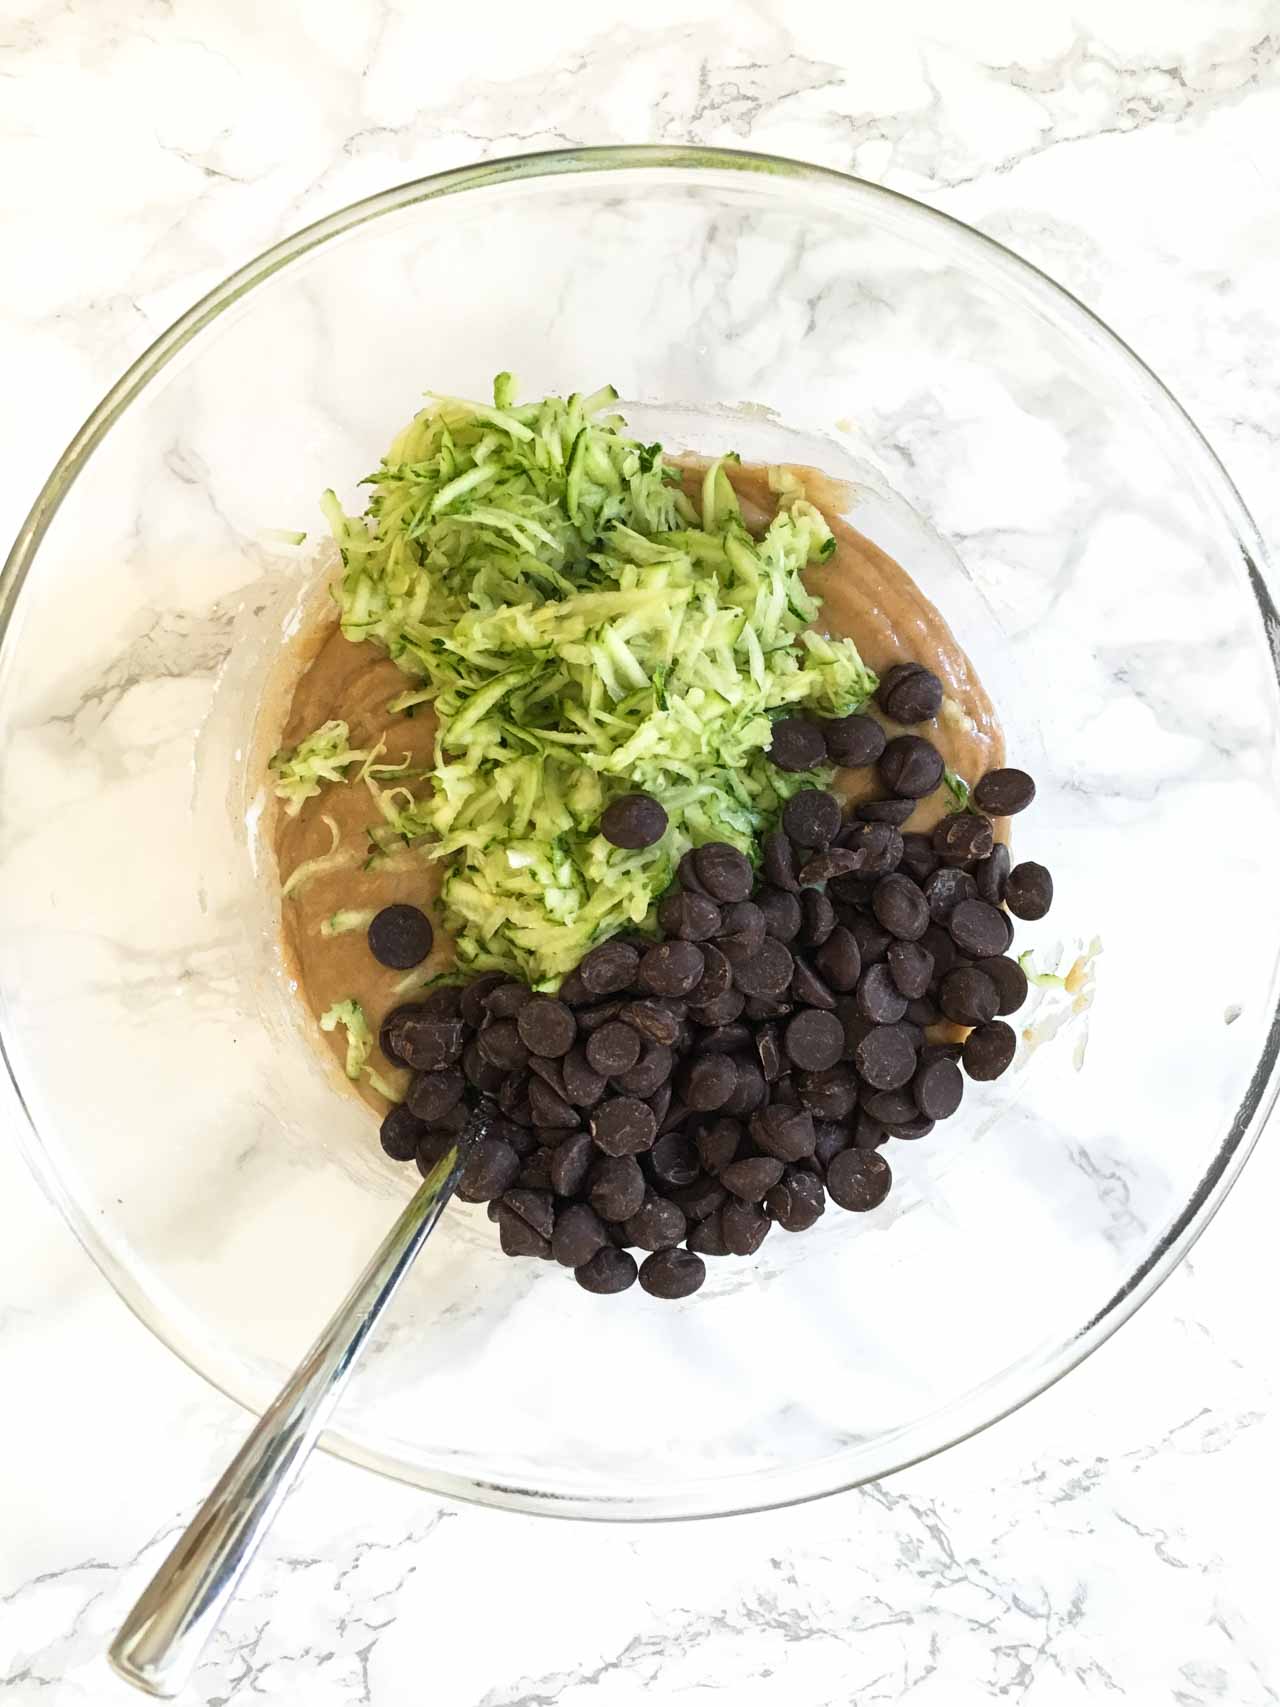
(1093, 560)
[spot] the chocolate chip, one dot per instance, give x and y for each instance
(624, 1126)
(707, 1237)
(546, 1026)
(900, 907)
(962, 838)
(885, 1058)
(599, 1013)
(911, 968)
(779, 861)
(657, 1020)
(610, 1270)
(432, 1095)
(859, 1179)
(583, 1086)
(937, 1087)
(879, 999)
(868, 1133)
(571, 1162)
(920, 1127)
(992, 874)
(517, 1237)
(908, 693)
(672, 1274)
(634, 821)
(750, 1092)
(835, 862)
(617, 1187)
(579, 1234)
(492, 1168)
(786, 1133)
(505, 1000)
(797, 1201)
(614, 1049)
(429, 1045)
(817, 918)
(839, 960)
(651, 1070)
(989, 1049)
(919, 860)
(534, 1208)
(718, 1143)
(814, 1040)
(671, 968)
(674, 1161)
(968, 996)
(1004, 792)
(724, 1010)
(911, 766)
(768, 972)
(400, 1132)
(798, 744)
(751, 1178)
(853, 741)
(471, 1004)
(502, 1046)
(708, 1082)
(687, 872)
(889, 1108)
(724, 871)
(878, 848)
(1009, 979)
(481, 1073)
(781, 912)
(700, 1198)
(830, 1094)
(979, 929)
(548, 1108)
(895, 812)
(945, 890)
(742, 930)
(400, 936)
(717, 977)
(811, 818)
(657, 1225)
(809, 990)
(743, 1227)
(609, 968)
(1029, 891)
(693, 918)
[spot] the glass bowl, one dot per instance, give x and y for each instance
(1045, 490)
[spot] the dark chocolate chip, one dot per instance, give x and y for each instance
(610, 1270)
(693, 918)
(718, 1143)
(809, 990)
(610, 967)
(743, 1227)
(945, 890)
(859, 1179)
(900, 907)
(879, 999)
(938, 1087)
(911, 968)
(853, 741)
(1004, 792)
(786, 1133)
(724, 871)
(768, 972)
(400, 936)
(616, 1187)
(1028, 893)
(813, 1040)
(502, 1046)
(831, 1094)
(963, 838)
(432, 1095)
(427, 1044)
(817, 918)
(707, 1237)
(979, 929)
(672, 1274)
(752, 1177)
(674, 1160)
(583, 1086)
(968, 996)
(811, 818)
(989, 1049)
(400, 1133)
(634, 821)
(671, 968)
(885, 1058)
(839, 960)
(657, 1020)
(908, 693)
(798, 744)
(779, 861)
(650, 1071)
(492, 1168)
(614, 1049)
(992, 874)
(1010, 982)
(911, 766)
(657, 1225)
(895, 812)
(797, 1201)
(708, 1081)
(878, 848)
(919, 860)
(782, 914)
(546, 1026)
(623, 1126)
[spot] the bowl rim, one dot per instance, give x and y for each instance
(756, 1493)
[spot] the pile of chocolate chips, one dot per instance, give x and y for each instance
(684, 1096)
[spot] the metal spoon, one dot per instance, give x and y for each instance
(162, 1638)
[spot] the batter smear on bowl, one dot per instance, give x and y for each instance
(646, 809)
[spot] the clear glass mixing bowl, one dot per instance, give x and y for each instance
(1047, 492)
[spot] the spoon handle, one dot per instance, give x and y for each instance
(162, 1637)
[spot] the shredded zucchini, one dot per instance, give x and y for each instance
(543, 580)
(350, 1015)
(322, 757)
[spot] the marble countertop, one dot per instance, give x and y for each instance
(1110, 1539)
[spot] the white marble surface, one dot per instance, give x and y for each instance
(1111, 1539)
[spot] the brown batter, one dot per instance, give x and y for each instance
(866, 596)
